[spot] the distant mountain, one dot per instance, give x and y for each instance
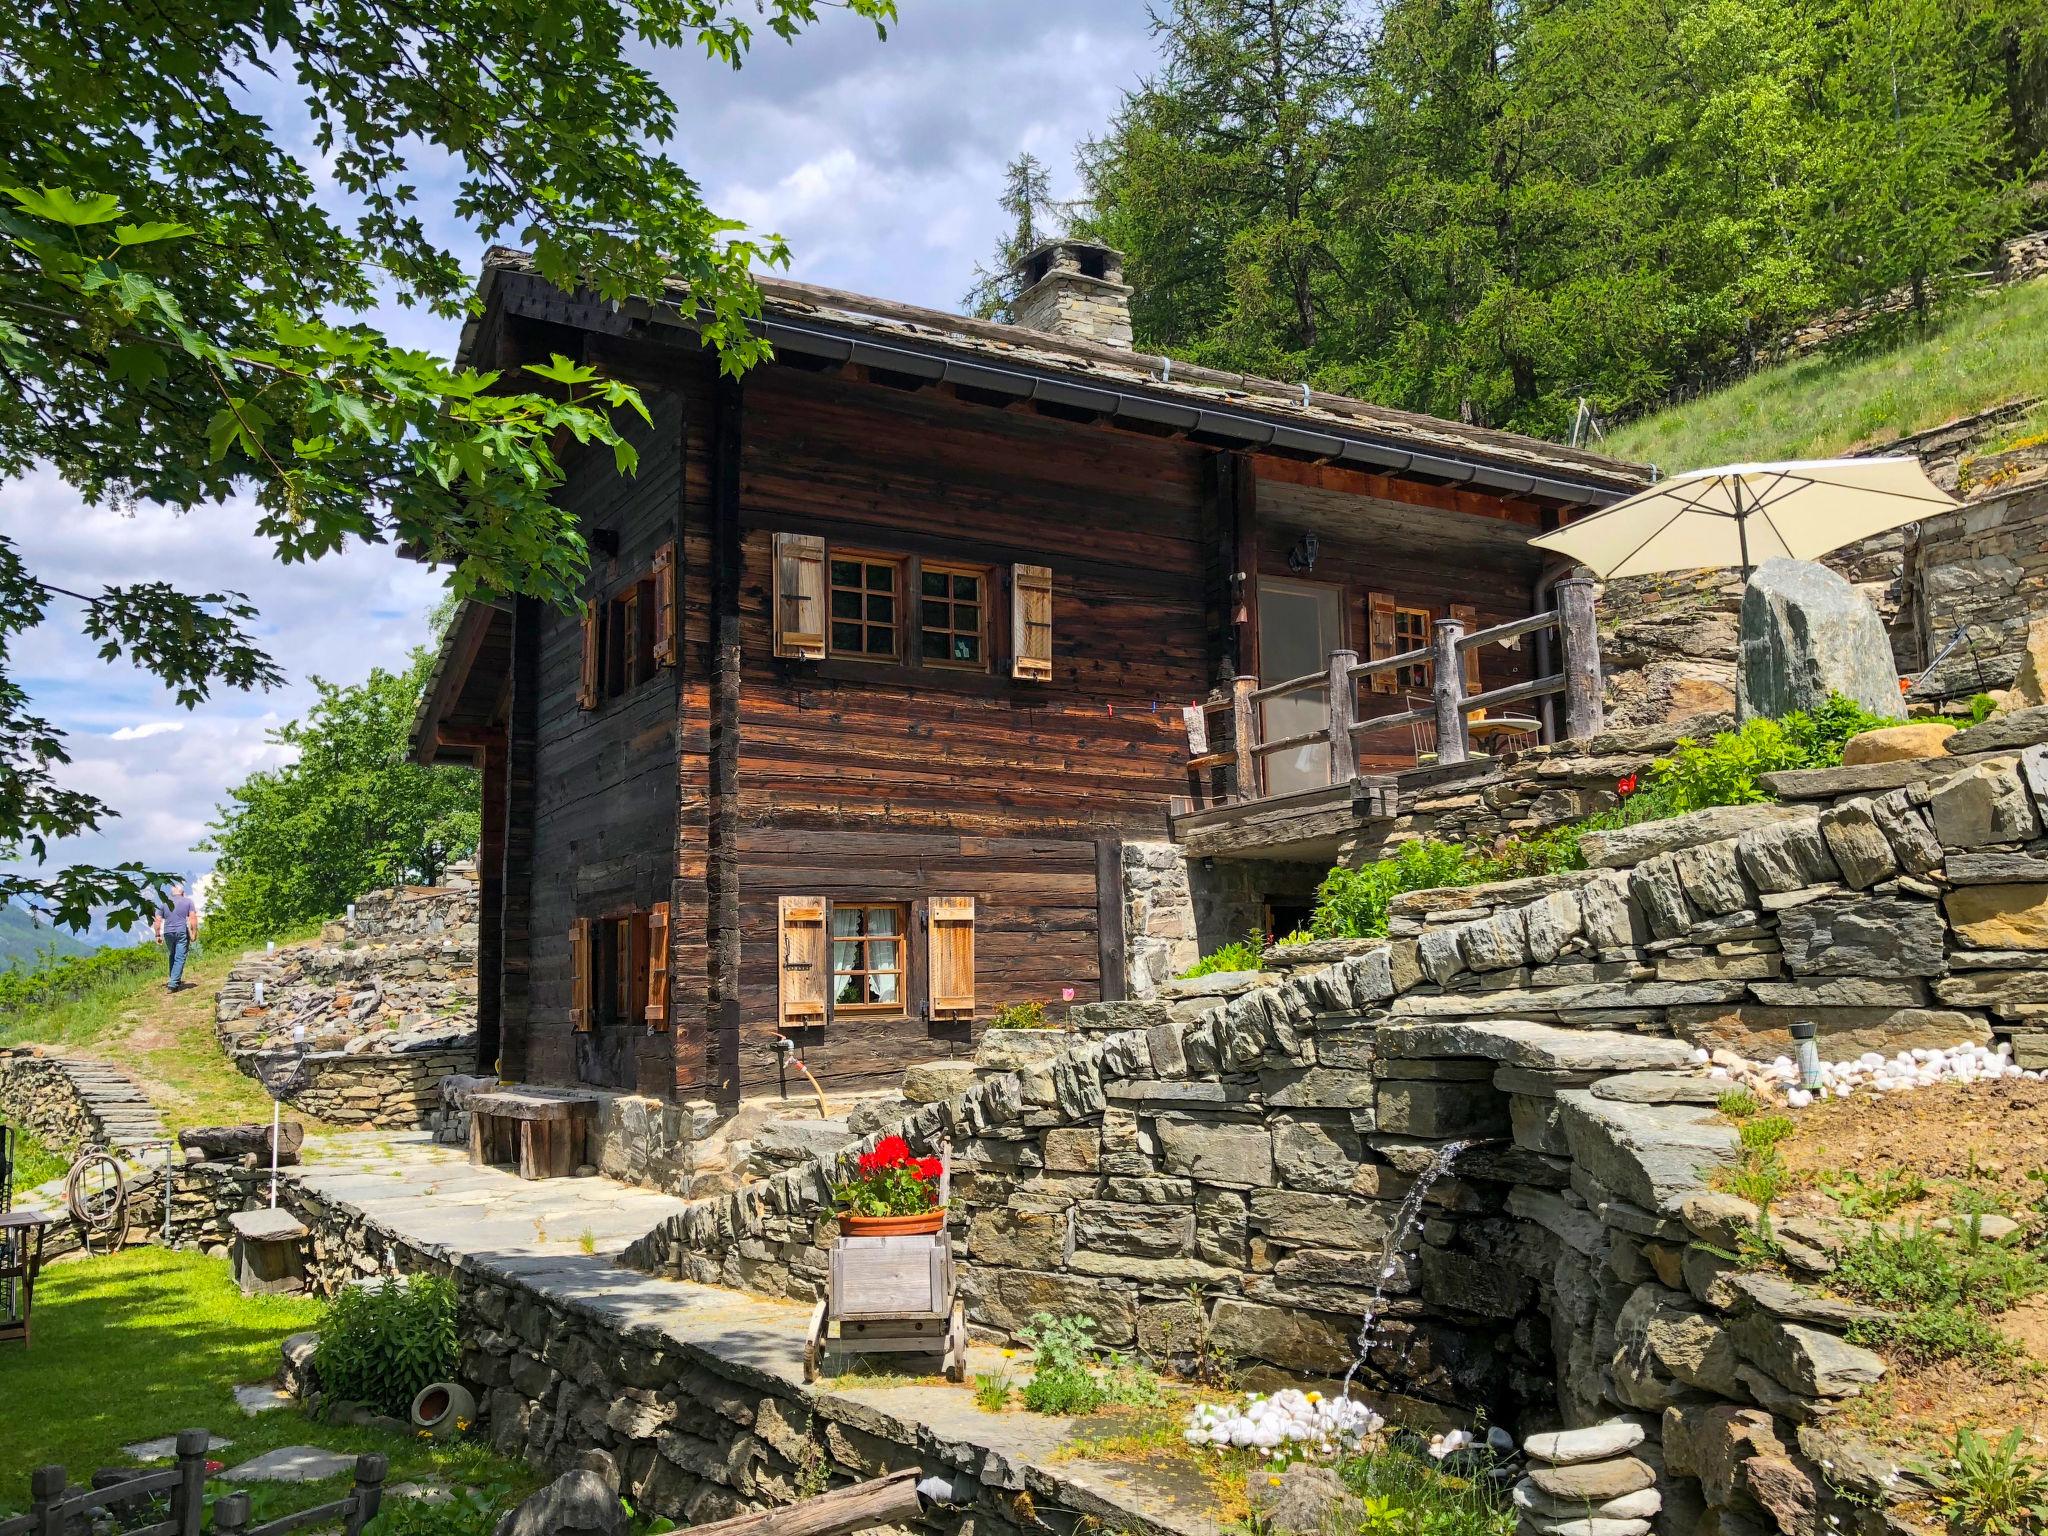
(22, 938)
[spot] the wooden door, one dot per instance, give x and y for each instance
(1300, 623)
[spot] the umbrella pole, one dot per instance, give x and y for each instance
(1742, 530)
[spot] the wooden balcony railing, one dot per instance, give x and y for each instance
(1237, 770)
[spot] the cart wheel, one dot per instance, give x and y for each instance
(956, 1343)
(814, 1342)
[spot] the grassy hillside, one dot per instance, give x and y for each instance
(22, 938)
(1986, 351)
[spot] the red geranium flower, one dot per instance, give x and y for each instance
(1625, 786)
(928, 1168)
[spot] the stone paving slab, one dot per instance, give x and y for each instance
(166, 1446)
(291, 1464)
(261, 1397)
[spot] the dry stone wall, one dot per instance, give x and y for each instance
(35, 1093)
(1216, 1171)
(386, 1001)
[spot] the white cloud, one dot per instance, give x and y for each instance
(146, 729)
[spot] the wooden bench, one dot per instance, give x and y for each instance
(540, 1133)
(270, 1251)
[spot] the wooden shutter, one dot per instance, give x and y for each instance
(586, 687)
(579, 975)
(803, 973)
(800, 596)
(952, 954)
(665, 605)
(657, 966)
(1379, 638)
(1031, 623)
(1467, 615)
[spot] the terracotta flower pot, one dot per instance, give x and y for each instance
(851, 1225)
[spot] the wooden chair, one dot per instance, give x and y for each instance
(1422, 733)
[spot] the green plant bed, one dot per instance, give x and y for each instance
(147, 1342)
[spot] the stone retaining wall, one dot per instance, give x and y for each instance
(386, 1000)
(1983, 569)
(1221, 1173)
(35, 1094)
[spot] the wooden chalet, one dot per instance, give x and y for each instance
(892, 645)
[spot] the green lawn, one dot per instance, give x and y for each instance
(146, 1343)
(1986, 351)
(35, 1162)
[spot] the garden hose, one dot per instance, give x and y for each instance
(96, 1195)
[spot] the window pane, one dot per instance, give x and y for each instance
(934, 583)
(846, 954)
(848, 991)
(965, 617)
(880, 642)
(885, 921)
(882, 578)
(883, 988)
(934, 645)
(845, 573)
(846, 637)
(967, 648)
(967, 588)
(881, 609)
(845, 605)
(938, 615)
(846, 921)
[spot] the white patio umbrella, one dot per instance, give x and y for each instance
(1744, 514)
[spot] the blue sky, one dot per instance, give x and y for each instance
(881, 163)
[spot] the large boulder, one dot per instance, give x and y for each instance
(579, 1503)
(1806, 634)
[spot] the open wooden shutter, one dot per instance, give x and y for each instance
(1467, 615)
(803, 973)
(952, 954)
(579, 975)
(665, 605)
(1379, 638)
(800, 596)
(1031, 623)
(586, 687)
(657, 966)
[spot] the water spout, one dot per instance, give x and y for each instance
(1406, 1219)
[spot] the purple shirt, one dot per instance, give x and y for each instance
(177, 916)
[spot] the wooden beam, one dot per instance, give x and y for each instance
(727, 574)
(1416, 493)
(1244, 566)
(1109, 918)
(884, 1502)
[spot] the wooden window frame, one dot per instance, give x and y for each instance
(1416, 674)
(950, 569)
(901, 938)
(866, 558)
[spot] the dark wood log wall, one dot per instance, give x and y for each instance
(604, 809)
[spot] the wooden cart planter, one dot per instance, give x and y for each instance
(893, 1295)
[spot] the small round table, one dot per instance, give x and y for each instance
(21, 1259)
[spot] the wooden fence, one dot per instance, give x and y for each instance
(55, 1508)
(1237, 772)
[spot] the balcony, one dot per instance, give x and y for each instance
(1238, 806)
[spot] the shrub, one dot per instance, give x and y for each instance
(1353, 903)
(1982, 708)
(1990, 1488)
(1238, 955)
(381, 1346)
(1063, 1354)
(1029, 1015)
(58, 978)
(1725, 769)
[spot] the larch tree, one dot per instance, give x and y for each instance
(181, 311)
(1035, 217)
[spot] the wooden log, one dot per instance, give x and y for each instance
(216, 1143)
(884, 1501)
(1343, 700)
(1581, 633)
(1244, 725)
(1448, 685)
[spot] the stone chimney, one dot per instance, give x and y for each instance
(1075, 288)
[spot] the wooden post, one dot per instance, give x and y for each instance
(188, 1499)
(1244, 716)
(886, 1501)
(1448, 686)
(1109, 918)
(722, 883)
(369, 1491)
(231, 1514)
(1580, 632)
(1343, 714)
(45, 1488)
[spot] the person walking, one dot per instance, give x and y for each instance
(177, 929)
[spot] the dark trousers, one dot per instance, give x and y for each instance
(175, 947)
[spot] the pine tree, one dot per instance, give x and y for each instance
(1035, 218)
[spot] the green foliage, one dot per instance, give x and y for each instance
(1761, 1136)
(1035, 217)
(1238, 955)
(1353, 903)
(180, 287)
(352, 811)
(1739, 1104)
(1941, 1289)
(61, 978)
(890, 1182)
(1409, 1495)
(1029, 1015)
(1496, 211)
(1063, 1356)
(35, 1162)
(1982, 708)
(465, 1512)
(1860, 1198)
(1761, 1177)
(992, 1393)
(381, 1346)
(1989, 1487)
(1725, 770)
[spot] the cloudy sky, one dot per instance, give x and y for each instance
(881, 163)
